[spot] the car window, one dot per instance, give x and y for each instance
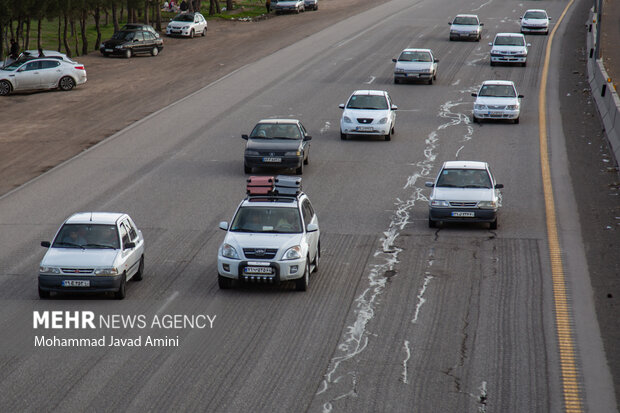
(183, 18)
(133, 234)
(371, 102)
(35, 65)
(509, 41)
(535, 15)
(415, 57)
(307, 212)
(267, 220)
(139, 36)
(124, 234)
(498, 91)
(303, 130)
(149, 36)
(87, 236)
(49, 64)
(464, 178)
(470, 21)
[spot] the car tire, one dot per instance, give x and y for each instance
(127, 54)
(204, 32)
(191, 34)
(5, 87)
(430, 81)
(300, 170)
(493, 224)
(523, 64)
(515, 120)
(431, 223)
(492, 63)
(317, 259)
(155, 51)
(43, 294)
(120, 294)
(396, 81)
(224, 283)
(478, 38)
(316, 7)
(307, 160)
(301, 284)
(140, 273)
(66, 83)
(247, 169)
(106, 54)
(475, 119)
(343, 136)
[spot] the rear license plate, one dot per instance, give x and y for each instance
(272, 160)
(463, 214)
(258, 270)
(76, 283)
(364, 128)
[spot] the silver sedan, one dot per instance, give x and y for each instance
(41, 73)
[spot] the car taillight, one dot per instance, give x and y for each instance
(79, 67)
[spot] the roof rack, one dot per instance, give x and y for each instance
(281, 186)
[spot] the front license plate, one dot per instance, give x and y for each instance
(412, 75)
(76, 283)
(364, 128)
(272, 160)
(109, 50)
(463, 214)
(258, 270)
(495, 113)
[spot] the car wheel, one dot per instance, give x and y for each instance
(5, 87)
(224, 283)
(247, 169)
(106, 54)
(120, 294)
(478, 38)
(127, 53)
(302, 283)
(430, 81)
(155, 51)
(343, 136)
(140, 273)
(43, 294)
(66, 83)
(396, 81)
(493, 225)
(297, 11)
(516, 120)
(300, 170)
(316, 7)
(307, 160)
(317, 259)
(523, 64)
(204, 32)
(191, 34)
(431, 223)
(492, 63)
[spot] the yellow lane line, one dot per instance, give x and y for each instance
(570, 386)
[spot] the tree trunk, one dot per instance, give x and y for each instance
(214, 7)
(146, 12)
(83, 19)
(59, 33)
(115, 17)
(74, 35)
(27, 44)
(158, 20)
(2, 40)
(64, 36)
(97, 27)
(229, 5)
(39, 44)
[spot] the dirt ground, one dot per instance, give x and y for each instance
(39, 130)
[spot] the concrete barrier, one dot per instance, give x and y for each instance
(603, 92)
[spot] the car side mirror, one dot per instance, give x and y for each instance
(244, 137)
(394, 107)
(520, 96)
(129, 245)
(499, 186)
(436, 60)
(341, 106)
(481, 24)
(490, 44)
(394, 60)
(45, 244)
(135, 40)
(429, 184)
(21, 69)
(307, 138)
(312, 228)
(529, 45)
(549, 18)
(224, 225)
(474, 94)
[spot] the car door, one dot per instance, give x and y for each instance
(139, 43)
(50, 72)
(392, 112)
(28, 76)
(128, 261)
(310, 217)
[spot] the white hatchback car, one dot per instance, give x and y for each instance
(92, 252)
(290, 6)
(187, 24)
(271, 238)
(535, 21)
(497, 99)
(368, 112)
(41, 73)
(509, 48)
(415, 64)
(464, 191)
(466, 26)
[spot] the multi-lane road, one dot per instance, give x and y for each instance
(400, 317)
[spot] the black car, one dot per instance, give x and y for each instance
(277, 143)
(128, 43)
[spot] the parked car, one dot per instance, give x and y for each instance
(92, 252)
(466, 26)
(311, 4)
(129, 43)
(509, 48)
(41, 73)
(464, 191)
(289, 6)
(535, 21)
(415, 64)
(140, 26)
(187, 24)
(497, 99)
(368, 112)
(277, 143)
(271, 238)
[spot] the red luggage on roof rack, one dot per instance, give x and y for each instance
(260, 185)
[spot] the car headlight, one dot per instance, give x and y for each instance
(437, 203)
(521, 54)
(487, 204)
(251, 153)
(512, 107)
(383, 121)
(106, 271)
(293, 253)
(49, 270)
(480, 107)
(120, 46)
(185, 27)
(346, 119)
(229, 251)
(292, 153)
(399, 70)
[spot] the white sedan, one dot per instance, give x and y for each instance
(187, 24)
(41, 73)
(368, 112)
(497, 99)
(415, 64)
(535, 21)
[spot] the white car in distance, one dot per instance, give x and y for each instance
(497, 99)
(415, 64)
(187, 24)
(466, 26)
(535, 21)
(509, 48)
(368, 112)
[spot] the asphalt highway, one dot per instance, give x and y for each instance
(400, 317)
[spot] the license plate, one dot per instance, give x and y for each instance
(463, 214)
(412, 75)
(364, 128)
(109, 50)
(76, 283)
(495, 113)
(258, 270)
(272, 159)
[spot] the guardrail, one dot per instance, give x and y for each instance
(603, 91)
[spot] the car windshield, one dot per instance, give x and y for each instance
(184, 18)
(275, 131)
(464, 178)
(13, 66)
(415, 57)
(498, 91)
(123, 35)
(373, 102)
(87, 236)
(469, 21)
(535, 15)
(280, 220)
(509, 41)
